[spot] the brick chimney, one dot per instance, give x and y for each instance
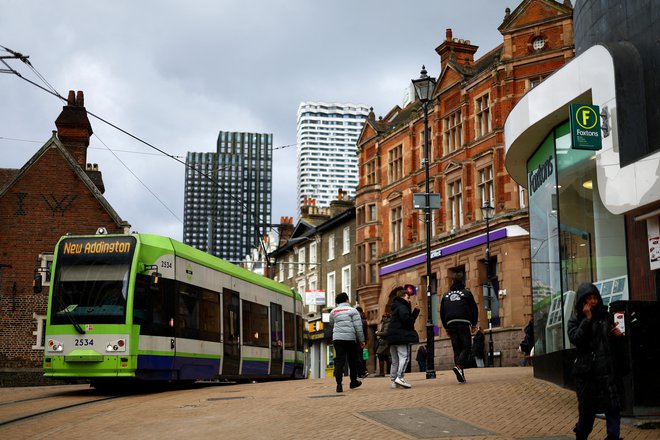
(73, 127)
(285, 230)
(458, 50)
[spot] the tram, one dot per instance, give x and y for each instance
(147, 307)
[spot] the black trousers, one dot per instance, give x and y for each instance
(345, 352)
(461, 343)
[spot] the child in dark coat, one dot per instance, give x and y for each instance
(591, 329)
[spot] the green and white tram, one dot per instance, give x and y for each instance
(149, 307)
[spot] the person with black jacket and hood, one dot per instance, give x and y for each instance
(459, 313)
(401, 335)
(591, 329)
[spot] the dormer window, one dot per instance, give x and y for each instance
(538, 43)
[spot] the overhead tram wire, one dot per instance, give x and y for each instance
(24, 59)
(139, 180)
(112, 150)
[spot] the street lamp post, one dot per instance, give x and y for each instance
(424, 86)
(488, 210)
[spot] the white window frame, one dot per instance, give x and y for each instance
(301, 291)
(346, 282)
(290, 267)
(45, 263)
(331, 247)
(486, 183)
(346, 240)
(455, 204)
(522, 196)
(312, 256)
(301, 260)
(331, 289)
(40, 320)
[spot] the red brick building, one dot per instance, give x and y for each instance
(472, 99)
(55, 193)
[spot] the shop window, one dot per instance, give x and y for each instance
(574, 239)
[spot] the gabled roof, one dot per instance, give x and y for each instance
(465, 72)
(55, 143)
(547, 9)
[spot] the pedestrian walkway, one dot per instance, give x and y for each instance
(494, 404)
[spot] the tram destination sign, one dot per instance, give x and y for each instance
(585, 127)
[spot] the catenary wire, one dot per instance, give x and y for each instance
(54, 92)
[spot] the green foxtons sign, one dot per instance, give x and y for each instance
(585, 127)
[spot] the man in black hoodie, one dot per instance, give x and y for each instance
(459, 313)
(597, 374)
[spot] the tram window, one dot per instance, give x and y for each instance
(289, 325)
(152, 309)
(187, 325)
(210, 316)
(255, 325)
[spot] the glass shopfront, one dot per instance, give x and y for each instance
(574, 239)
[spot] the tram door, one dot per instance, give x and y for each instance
(276, 339)
(231, 327)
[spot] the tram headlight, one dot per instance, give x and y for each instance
(54, 346)
(115, 346)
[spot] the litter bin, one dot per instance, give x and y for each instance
(641, 386)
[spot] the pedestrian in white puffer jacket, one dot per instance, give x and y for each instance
(346, 335)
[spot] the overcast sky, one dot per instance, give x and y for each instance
(175, 73)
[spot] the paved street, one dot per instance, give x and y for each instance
(498, 403)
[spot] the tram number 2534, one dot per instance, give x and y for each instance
(83, 342)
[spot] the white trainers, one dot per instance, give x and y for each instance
(393, 385)
(402, 382)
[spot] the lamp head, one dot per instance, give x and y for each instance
(487, 210)
(424, 86)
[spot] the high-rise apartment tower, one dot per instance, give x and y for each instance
(227, 204)
(327, 133)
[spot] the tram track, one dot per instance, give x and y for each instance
(31, 408)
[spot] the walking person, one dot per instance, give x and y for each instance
(421, 358)
(459, 313)
(382, 347)
(478, 347)
(597, 374)
(527, 343)
(347, 336)
(401, 335)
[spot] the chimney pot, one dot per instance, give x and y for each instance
(73, 127)
(449, 34)
(80, 99)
